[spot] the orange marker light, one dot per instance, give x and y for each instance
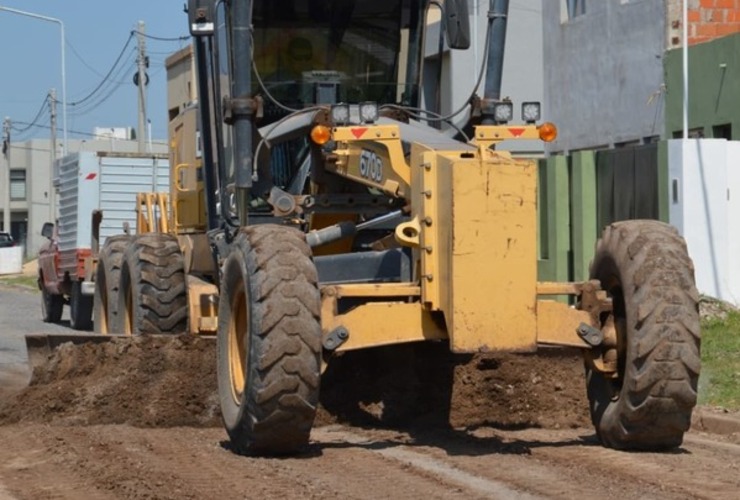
(320, 134)
(548, 132)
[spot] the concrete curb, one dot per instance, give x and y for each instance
(706, 420)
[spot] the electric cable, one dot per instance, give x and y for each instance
(88, 134)
(106, 77)
(161, 38)
(33, 122)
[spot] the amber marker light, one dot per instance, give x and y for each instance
(548, 132)
(320, 134)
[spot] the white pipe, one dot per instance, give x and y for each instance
(685, 69)
(149, 133)
(475, 36)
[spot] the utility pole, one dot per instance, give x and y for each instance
(142, 63)
(52, 187)
(6, 175)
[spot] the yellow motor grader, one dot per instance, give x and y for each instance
(325, 209)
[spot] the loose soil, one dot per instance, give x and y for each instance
(166, 382)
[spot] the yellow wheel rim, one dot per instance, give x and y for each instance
(237, 342)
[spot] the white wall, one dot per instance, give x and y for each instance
(704, 197)
(11, 260)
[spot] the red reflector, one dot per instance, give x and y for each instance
(90, 176)
(359, 132)
(516, 132)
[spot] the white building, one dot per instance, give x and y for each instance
(31, 182)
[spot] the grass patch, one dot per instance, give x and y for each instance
(719, 383)
(25, 281)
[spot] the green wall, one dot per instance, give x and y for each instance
(714, 87)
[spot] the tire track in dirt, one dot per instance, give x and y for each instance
(502, 469)
(705, 470)
(424, 463)
(565, 464)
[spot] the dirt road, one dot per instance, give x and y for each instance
(139, 419)
(71, 462)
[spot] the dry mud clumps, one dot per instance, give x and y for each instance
(171, 381)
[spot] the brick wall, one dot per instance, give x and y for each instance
(708, 19)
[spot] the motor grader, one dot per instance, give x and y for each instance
(323, 208)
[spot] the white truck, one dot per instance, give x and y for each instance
(97, 195)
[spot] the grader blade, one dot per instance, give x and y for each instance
(40, 346)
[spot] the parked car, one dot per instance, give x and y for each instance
(6, 240)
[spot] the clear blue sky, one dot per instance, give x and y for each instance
(96, 31)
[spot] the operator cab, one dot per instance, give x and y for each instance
(311, 52)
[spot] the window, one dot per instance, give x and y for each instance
(693, 133)
(570, 9)
(722, 131)
(17, 185)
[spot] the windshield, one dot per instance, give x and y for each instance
(312, 51)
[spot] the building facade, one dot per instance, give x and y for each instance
(32, 202)
(613, 72)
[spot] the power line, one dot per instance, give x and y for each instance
(86, 133)
(34, 121)
(115, 83)
(105, 78)
(28, 148)
(160, 38)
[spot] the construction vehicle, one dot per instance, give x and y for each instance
(322, 210)
(89, 184)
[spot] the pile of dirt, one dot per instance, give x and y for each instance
(142, 381)
(164, 382)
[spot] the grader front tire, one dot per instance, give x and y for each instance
(153, 295)
(269, 341)
(645, 268)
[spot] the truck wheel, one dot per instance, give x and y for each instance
(51, 306)
(269, 341)
(645, 268)
(153, 295)
(107, 282)
(80, 308)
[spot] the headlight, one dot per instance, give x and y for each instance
(531, 111)
(503, 112)
(369, 112)
(340, 114)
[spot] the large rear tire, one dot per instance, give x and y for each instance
(80, 308)
(108, 281)
(52, 306)
(153, 295)
(269, 341)
(646, 270)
